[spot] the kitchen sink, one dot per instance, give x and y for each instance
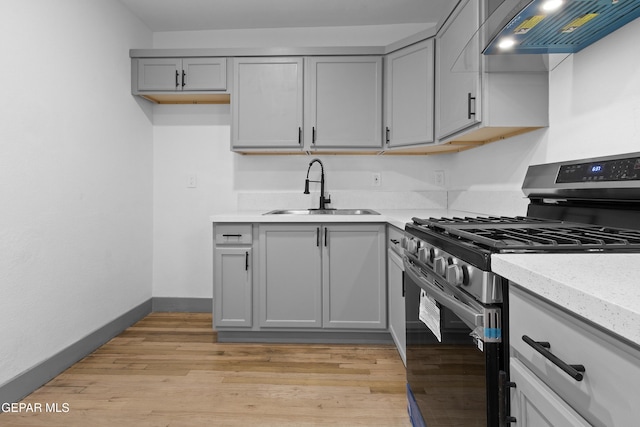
(322, 212)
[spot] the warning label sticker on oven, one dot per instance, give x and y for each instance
(430, 314)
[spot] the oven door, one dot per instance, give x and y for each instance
(452, 368)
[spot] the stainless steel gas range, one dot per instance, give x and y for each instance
(457, 308)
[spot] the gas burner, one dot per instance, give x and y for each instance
(479, 220)
(529, 234)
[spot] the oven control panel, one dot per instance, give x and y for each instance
(472, 280)
(607, 170)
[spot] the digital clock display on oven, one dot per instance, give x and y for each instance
(596, 169)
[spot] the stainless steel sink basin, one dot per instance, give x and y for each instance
(322, 212)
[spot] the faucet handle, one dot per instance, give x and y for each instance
(327, 199)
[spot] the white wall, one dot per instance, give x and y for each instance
(363, 35)
(594, 111)
(75, 176)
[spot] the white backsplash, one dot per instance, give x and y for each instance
(497, 202)
(343, 199)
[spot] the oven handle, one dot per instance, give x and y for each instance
(462, 310)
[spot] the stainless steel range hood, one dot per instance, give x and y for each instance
(541, 39)
(555, 26)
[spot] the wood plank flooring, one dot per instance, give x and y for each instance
(168, 370)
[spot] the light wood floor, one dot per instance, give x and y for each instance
(168, 370)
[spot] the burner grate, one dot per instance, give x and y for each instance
(532, 234)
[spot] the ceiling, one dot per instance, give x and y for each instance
(195, 15)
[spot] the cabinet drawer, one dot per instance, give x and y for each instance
(233, 234)
(612, 367)
(395, 236)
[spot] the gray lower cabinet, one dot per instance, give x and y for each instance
(233, 303)
(322, 276)
(536, 405)
(546, 344)
(395, 292)
(354, 276)
(233, 275)
(290, 284)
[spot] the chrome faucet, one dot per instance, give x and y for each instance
(324, 201)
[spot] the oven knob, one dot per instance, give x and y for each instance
(439, 265)
(404, 241)
(423, 254)
(455, 275)
(432, 255)
(412, 246)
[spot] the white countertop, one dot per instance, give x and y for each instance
(604, 288)
(395, 217)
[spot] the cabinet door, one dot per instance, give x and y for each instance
(458, 71)
(397, 319)
(533, 404)
(159, 74)
(409, 96)
(290, 276)
(354, 276)
(267, 103)
(233, 282)
(343, 106)
(204, 74)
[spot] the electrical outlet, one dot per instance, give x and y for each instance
(192, 181)
(438, 178)
(376, 179)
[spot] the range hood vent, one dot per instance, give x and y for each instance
(532, 28)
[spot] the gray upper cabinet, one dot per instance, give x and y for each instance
(338, 98)
(409, 95)
(290, 276)
(458, 71)
(344, 102)
(354, 276)
(267, 103)
(476, 100)
(181, 74)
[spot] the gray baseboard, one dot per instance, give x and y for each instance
(182, 305)
(307, 337)
(28, 381)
